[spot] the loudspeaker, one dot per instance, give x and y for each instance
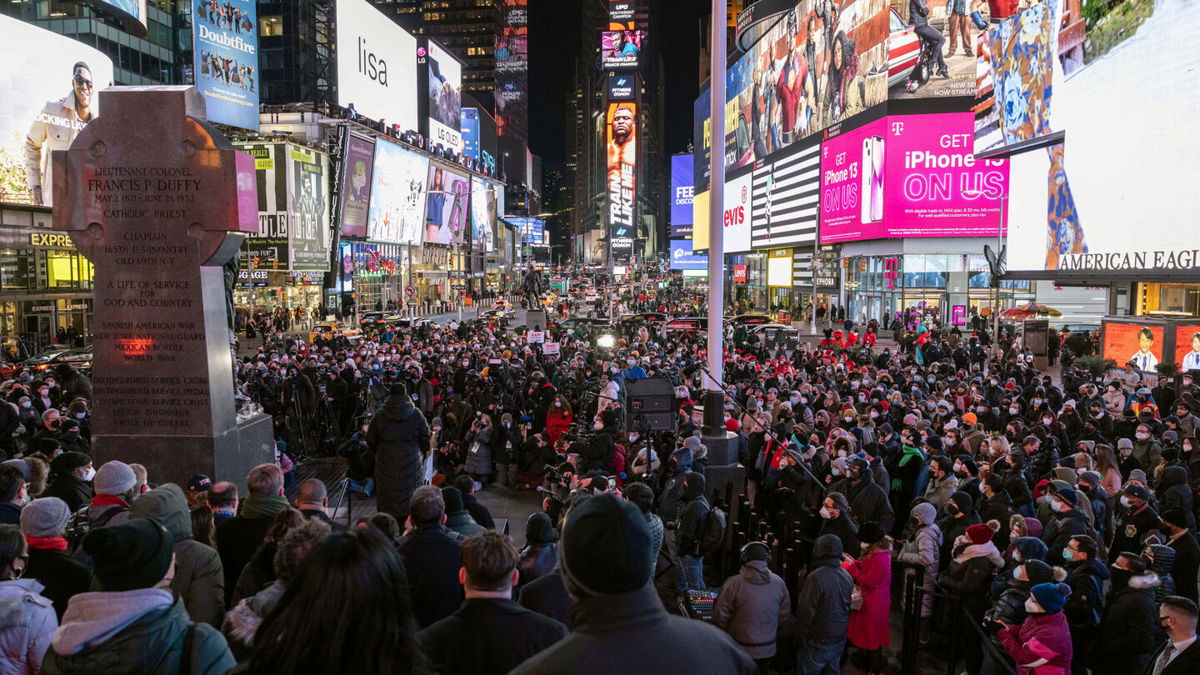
(650, 404)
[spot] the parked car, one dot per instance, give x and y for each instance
(328, 329)
(686, 324)
(748, 320)
(372, 319)
(777, 334)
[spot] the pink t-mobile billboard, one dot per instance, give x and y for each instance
(909, 176)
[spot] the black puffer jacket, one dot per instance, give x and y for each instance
(1173, 491)
(823, 609)
(398, 435)
(695, 513)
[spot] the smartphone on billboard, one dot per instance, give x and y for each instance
(866, 168)
(876, 179)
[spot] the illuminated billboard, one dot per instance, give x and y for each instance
(682, 257)
(909, 176)
(620, 86)
(398, 184)
(226, 60)
(820, 64)
(483, 215)
(267, 249)
(357, 169)
(131, 14)
(445, 98)
(619, 49)
(309, 208)
(681, 195)
(512, 68)
(911, 77)
(376, 65)
(1114, 197)
(446, 205)
(50, 84)
(622, 178)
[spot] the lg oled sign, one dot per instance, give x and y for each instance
(377, 68)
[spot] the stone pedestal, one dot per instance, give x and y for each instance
(158, 200)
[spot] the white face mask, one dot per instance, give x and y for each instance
(1032, 607)
(89, 474)
(1047, 421)
(1125, 502)
(1013, 411)
(80, 416)
(826, 513)
(1057, 506)
(1141, 435)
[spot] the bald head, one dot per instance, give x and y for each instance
(311, 494)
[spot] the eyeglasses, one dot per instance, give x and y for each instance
(83, 81)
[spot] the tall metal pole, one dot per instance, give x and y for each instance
(714, 397)
(999, 248)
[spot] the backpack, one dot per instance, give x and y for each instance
(80, 524)
(713, 535)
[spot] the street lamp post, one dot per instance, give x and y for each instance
(714, 396)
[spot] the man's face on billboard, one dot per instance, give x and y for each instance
(81, 82)
(622, 124)
(618, 40)
(1145, 342)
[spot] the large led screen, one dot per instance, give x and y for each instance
(619, 49)
(49, 84)
(357, 168)
(310, 210)
(446, 205)
(1116, 196)
(226, 60)
(483, 215)
(682, 257)
(622, 178)
(268, 249)
(911, 76)
(376, 65)
(445, 98)
(909, 176)
(397, 213)
(681, 195)
(820, 64)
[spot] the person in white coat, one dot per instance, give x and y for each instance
(922, 549)
(27, 618)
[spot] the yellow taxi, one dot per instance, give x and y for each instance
(329, 329)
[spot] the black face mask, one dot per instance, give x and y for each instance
(1120, 578)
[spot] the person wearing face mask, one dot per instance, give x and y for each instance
(1127, 628)
(1135, 519)
(30, 620)
(133, 619)
(868, 501)
(42, 397)
(836, 520)
(974, 560)
(1086, 576)
(507, 447)
(43, 523)
(922, 548)
(1180, 653)
(1146, 449)
(1068, 522)
(958, 515)
(872, 571)
(70, 479)
(70, 437)
(942, 483)
(1042, 642)
(1009, 608)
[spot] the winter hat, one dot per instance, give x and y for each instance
(1138, 491)
(1068, 495)
(1066, 473)
(979, 533)
(1038, 572)
(506, 417)
(970, 418)
(1051, 596)
(869, 533)
(926, 512)
(398, 389)
(1137, 475)
(453, 499)
(539, 529)
(67, 462)
(199, 483)
(1092, 478)
(605, 546)
(1124, 444)
(132, 555)
(114, 478)
(25, 468)
(963, 501)
(45, 517)
(692, 443)
(1175, 516)
(934, 442)
(732, 424)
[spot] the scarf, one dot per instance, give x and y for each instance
(47, 543)
(109, 500)
(909, 453)
(263, 507)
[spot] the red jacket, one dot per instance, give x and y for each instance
(1002, 9)
(557, 423)
(870, 626)
(1044, 639)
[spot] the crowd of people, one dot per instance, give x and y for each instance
(1042, 523)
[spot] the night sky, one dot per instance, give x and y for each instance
(554, 27)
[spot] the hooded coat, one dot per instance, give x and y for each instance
(670, 504)
(141, 631)
(399, 436)
(970, 573)
(690, 534)
(1128, 627)
(27, 623)
(869, 626)
(1173, 491)
(1040, 645)
(823, 608)
(540, 554)
(1085, 606)
(199, 578)
(922, 549)
(750, 607)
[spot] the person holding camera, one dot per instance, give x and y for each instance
(479, 448)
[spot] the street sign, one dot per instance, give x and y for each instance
(410, 291)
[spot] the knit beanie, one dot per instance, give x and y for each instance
(132, 555)
(870, 533)
(1051, 596)
(114, 478)
(926, 512)
(963, 501)
(45, 517)
(453, 499)
(1068, 495)
(25, 468)
(605, 546)
(1038, 572)
(979, 533)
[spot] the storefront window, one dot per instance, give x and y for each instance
(65, 269)
(17, 270)
(1177, 299)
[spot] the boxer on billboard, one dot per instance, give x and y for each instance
(55, 127)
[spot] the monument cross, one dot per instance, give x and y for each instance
(157, 199)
